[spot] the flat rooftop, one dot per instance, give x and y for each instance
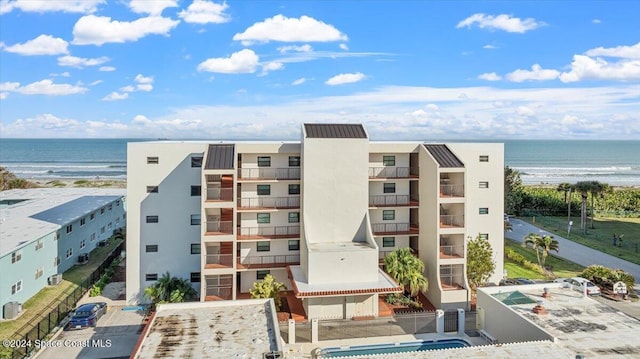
(219, 329)
(302, 288)
(29, 214)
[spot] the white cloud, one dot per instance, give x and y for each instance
(115, 96)
(96, 82)
(299, 81)
(596, 21)
(271, 66)
(144, 83)
(154, 7)
(344, 47)
(128, 88)
(490, 76)
(284, 29)
(9, 86)
(625, 52)
(294, 48)
(243, 61)
(432, 107)
(99, 30)
(489, 47)
(4, 95)
(525, 111)
(80, 62)
(586, 68)
(342, 79)
(43, 87)
(500, 22)
(41, 45)
(41, 6)
(205, 12)
(107, 68)
(537, 73)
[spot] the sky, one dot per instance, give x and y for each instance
(407, 70)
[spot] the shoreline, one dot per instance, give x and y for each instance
(78, 183)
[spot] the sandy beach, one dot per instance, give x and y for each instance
(71, 182)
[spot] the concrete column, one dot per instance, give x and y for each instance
(314, 330)
(440, 321)
(292, 331)
(461, 321)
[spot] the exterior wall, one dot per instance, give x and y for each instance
(172, 204)
(335, 266)
(341, 307)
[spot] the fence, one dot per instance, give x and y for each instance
(51, 316)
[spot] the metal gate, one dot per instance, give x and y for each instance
(451, 321)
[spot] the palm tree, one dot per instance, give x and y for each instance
(169, 289)
(584, 187)
(542, 245)
(597, 189)
(407, 270)
(564, 187)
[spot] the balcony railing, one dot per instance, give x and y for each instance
(451, 282)
(384, 253)
(269, 232)
(219, 194)
(219, 228)
(273, 261)
(447, 220)
(219, 261)
(451, 190)
(447, 251)
(397, 228)
(269, 173)
(392, 172)
(390, 200)
(218, 292)
(269, 202)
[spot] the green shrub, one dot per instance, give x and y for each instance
(95, 291)
(392, 298)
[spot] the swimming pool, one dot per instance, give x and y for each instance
(425, 345)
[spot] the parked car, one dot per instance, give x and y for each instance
(524, 281)
(579, 284)
(86, 315)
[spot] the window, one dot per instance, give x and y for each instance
(151, 248)
(264, 218)
(264, 161)
(483, 210)
(153, 160)
(151, 276)
(294, 245)
(56, 261)
(39, 244)
(484, 236)
(196, 161)
(389, 188)
(388, 215)
(92, 216)
(150, 189)
(110, 207)
(195, 277)
(16, 256)
(261, 274)
(117, 220)
(484, 158)
(195, 248)
(196, 190)
(294, 217)
(388, 241)
(117, 203)
(264, 190)
(92, 237)
(110, 225)
(195, 219)
(102, 230)
(294, 189)
(294, 161)
(388, 160)
(101, 210)
(263, 246)
(69, 253)
(83, 244)
(82, 221)
(152, 219)
(57, 236)
(39, 272)
(483, 184)
(69, 228)
(15, 288)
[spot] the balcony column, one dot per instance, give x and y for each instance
(461, 321)
(440, 321)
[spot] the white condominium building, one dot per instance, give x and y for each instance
(319, 215)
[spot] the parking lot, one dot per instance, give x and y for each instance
(114, 337)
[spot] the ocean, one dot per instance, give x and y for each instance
(539, 161)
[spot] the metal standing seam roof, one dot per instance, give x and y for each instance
(328, 130)
(220, 157)
(444, 156)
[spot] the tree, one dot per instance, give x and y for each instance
(169, 289)
(567, 188)
(584, 187)
(480, 264)
(542, 245)
(268, 288)
(407, 270)
(513, 191)
(597, 189)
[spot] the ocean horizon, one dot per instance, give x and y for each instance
(539, 161)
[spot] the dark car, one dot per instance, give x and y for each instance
(86, 315)
(524, 281)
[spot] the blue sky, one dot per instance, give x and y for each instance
(258, 69)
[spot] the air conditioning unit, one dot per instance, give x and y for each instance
(11, 310)
(55, 279)
(103, 243)
(83, 258)
(272, 355)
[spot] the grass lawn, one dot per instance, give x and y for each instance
(561, 267)
(78, 274)
(599, 238)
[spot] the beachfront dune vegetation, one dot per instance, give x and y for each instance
(9, 181)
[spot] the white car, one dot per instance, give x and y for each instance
(578, 283)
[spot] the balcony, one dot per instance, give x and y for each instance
(392, 172)
(273, 261)
(269, 203)
(392, 200)
(245, 233)
(216, 261)
(219, 194)
(451, 190)
(450, 282)
(449, 252)
(258, 174)
(394, 228)
(218, 228)
(451, 221)
(218, 287)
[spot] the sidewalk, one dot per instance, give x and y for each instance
(574, 251)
